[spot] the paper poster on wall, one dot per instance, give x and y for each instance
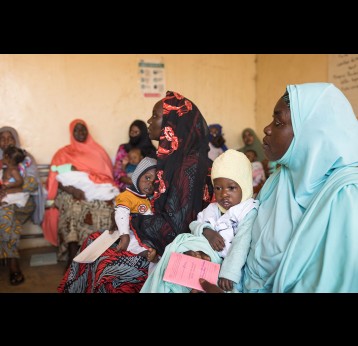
(152, 79)
(343, 73)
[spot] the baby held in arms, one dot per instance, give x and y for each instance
(135, 200)
(69, 176)
(217, 225)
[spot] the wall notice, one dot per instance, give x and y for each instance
(343, 73)
(152, 79)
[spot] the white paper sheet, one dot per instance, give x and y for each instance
(96, 249)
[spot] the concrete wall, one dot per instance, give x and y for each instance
(41, 94)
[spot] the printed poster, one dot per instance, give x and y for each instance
(152, 79)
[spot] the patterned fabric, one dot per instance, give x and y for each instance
(112, 272)
(141, 141)
(182, 169)
(10, 229)
(11, 219)
(88, 157)
(72, 226)
(23, 214)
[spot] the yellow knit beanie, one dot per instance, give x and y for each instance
(234, 165)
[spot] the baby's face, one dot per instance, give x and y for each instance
(227, 192)
(146, 182)
(134, 157)
(251, 156)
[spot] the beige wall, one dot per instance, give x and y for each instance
(41, 94)
(275, 72)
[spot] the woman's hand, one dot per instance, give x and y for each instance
(152, 255)
(215, 240)
(78, 194)
(226, 284)
(209, 288)
(123, 244)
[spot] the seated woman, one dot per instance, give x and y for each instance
(304, 238)
(12, 177)
(138, 138)
(252, 142)
(181, 192)
(216, 141)
(72, 217)
(13, 217)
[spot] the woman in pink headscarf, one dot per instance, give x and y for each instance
(72, 218)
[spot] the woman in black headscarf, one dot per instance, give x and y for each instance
(181, 192)
(138, 138)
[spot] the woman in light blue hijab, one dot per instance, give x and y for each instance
(305, 235)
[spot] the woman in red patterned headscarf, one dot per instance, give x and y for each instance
(181, 191)
(74, 218)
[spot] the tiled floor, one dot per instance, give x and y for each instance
(40, 279)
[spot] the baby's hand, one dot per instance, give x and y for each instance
(123, 244)
(152, 255)
(214, 238)
(226, 284)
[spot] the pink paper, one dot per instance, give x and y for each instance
(187, 270)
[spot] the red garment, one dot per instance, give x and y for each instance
(87, 157)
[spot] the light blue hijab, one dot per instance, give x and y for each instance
(305, 237)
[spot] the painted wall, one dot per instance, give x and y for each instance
(41, 94)
(275, 72)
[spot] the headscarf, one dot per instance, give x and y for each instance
(30, 167)
(256, 145)
(235, 166)
(182, 169)
(88, 157)
(142, 141)
(218, 141)
(305, 237)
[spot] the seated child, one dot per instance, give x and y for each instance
(217, 225)
(135, 200)
(132, 160)
(129, 164)
(69, 176)
(258, 172)
(12, 177)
